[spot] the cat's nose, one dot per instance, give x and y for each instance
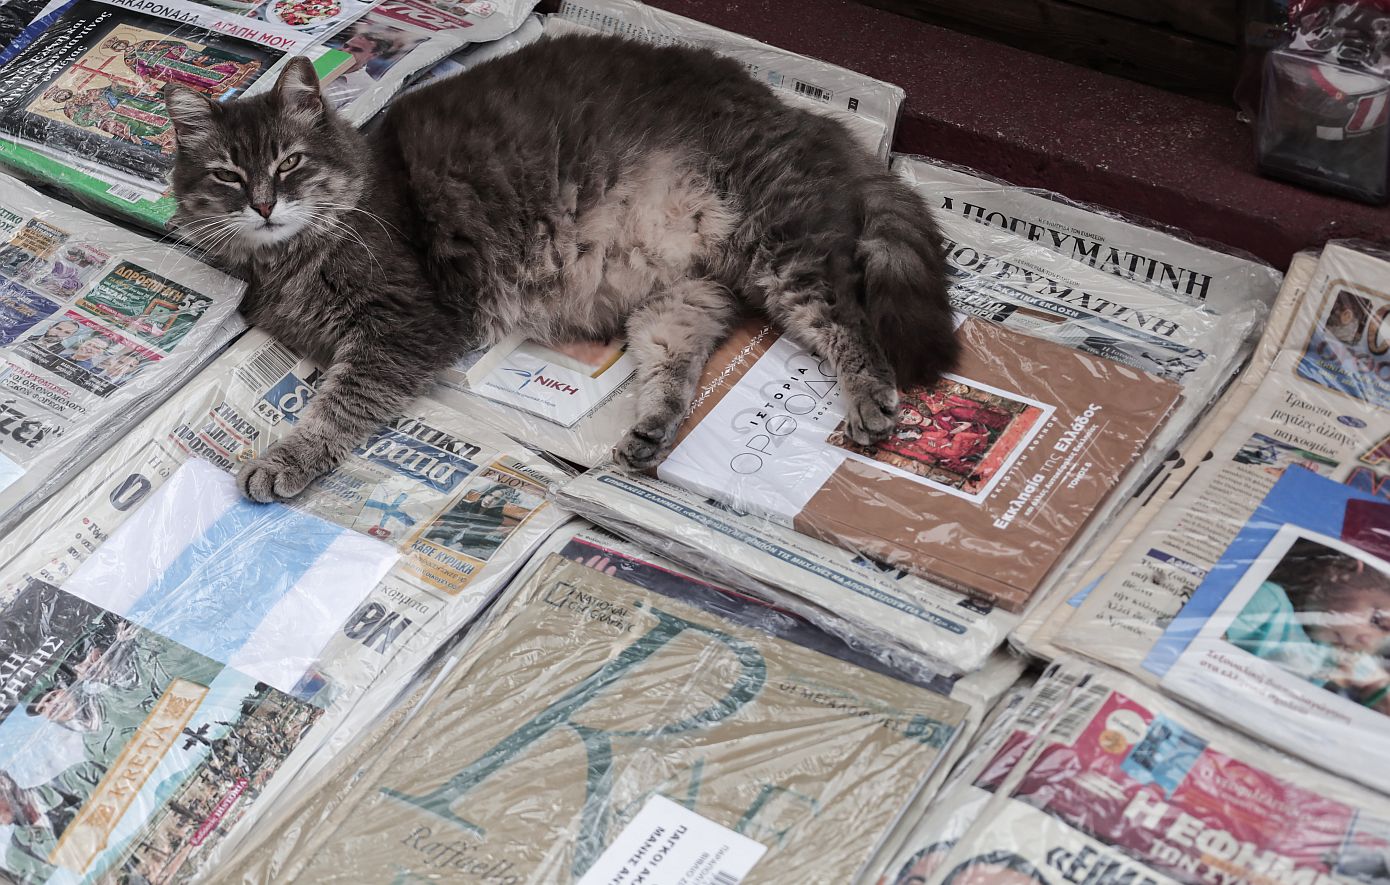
(264, 208)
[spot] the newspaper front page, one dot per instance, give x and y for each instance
(849, 747)
(1301, 413)
(1040, 627)
(312, 617)
(96, 324)
(1127, 785)
(82, 103)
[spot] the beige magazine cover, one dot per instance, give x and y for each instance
(587, 708)
(984, 483)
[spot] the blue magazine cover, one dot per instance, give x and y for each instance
(1289, 635)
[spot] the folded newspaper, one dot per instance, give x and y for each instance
(1037, 632)
(475, 54)
(179, 657)
(637, 728)
(1125, 785)
(399, 39)
(97, 325)
(1319, 406)
(82, 103)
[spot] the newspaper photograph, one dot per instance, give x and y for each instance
(96, 323)
(1127, 785)
(868, 107)
(304, 600)
(1288, 638)
(1290, 419)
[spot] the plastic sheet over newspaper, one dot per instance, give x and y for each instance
(1101, 779)
(1265, 565)
(606, 697)
(1001, 455)
(175, 658)
(97, 325)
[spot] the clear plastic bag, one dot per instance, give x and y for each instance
(97, 326)
(239, 647)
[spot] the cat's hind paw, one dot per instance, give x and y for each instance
(871, 412)
(645, 445)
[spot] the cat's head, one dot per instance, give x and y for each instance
(256, 173)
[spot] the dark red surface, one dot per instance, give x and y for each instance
(1043, 123)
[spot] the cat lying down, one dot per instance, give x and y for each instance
(580, 188)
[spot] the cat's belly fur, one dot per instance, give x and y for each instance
(592, 266)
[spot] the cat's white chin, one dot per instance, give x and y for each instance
(262, 235)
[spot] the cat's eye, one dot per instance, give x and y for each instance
(224, 175)
(289, 163)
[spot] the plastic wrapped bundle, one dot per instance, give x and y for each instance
(1124, 784)
(1321, 405)
(610, 704)
(82, 104)
(179, 657)
(97, 325)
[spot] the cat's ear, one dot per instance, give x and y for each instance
(191, 112)
(297, 90)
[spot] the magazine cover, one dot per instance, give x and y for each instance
(82, 106)
(1289, 635)
(1303, 414)
(988, 477)
(565, 784)
(96, 324)
(868, 107)
(337, 601)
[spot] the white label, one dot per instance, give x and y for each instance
(667, 844)
(563, 383)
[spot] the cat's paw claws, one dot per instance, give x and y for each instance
(872, 415)
(270, 479)
(643, 448)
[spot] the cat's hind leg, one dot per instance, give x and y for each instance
(840, 334)
(671, 336)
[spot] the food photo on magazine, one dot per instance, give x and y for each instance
(514, 442)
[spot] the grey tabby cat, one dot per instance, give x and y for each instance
(580, 188)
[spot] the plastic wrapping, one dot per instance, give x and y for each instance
(1318, 405)
(304, 831)
(1124, 784)
(475, 54)
(105, 138)
(97, 325)
(398, 39)
(868, 107)
(647, 700)
(1038, 630)
(178, 659)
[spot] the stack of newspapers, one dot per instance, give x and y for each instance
(1110, 605)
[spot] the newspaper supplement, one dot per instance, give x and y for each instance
(1286, 637)
(868, 107)
(1156, 259)
(96, 324)
(1014, 452)
(398, 39)
(1303, 414)
(1127, 785)
(328, 607)
(82, 105)
(1039, 629)
(787, 763)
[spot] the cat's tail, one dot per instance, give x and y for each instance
(904, 264)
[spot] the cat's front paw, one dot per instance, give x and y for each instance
(871, 412)
(278, 476)
(645, 445)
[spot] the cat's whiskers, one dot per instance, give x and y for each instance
(335, 227)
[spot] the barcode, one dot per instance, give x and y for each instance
(1047, 696)
(722, 878)
(122, 192)
(270, 365)
(810, 91)
(1078, 714)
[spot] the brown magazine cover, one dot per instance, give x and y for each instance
(987, 479)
